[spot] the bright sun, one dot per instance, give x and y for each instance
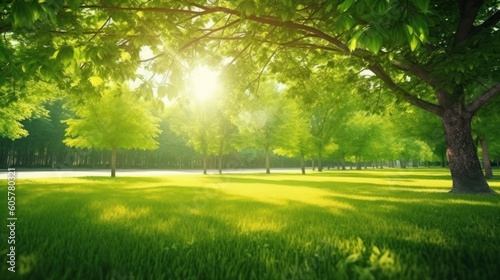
(204, 81)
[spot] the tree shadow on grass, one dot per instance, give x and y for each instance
(223, 231)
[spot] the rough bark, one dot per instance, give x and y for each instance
(463, 161)
(486, 159)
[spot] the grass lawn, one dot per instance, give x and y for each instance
(369, 224)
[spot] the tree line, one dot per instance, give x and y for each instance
(321, 124)
(441, 57)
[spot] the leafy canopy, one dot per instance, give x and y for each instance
(117, 120)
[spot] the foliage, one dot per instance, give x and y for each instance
(117, 120)
(23, 104)
(270, 121)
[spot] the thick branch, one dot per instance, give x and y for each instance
(468, 13)
(483, 99)
(208, 10)
(433, 108)
(288, 24)
(418, 71)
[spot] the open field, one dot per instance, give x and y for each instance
(369, 224)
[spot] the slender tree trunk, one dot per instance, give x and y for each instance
(313, 166)
(302, 163)
(221, 150)
(463, 161)
(205, 164)
(320, 162)
(220, 164)
(268, 162)
(358, 163)
(486, 159)
(113, 162)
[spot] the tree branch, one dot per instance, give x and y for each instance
(468, 12)
(433, 108)
(206, 35)
(5, 28)
(418, 71)
(477, 103)
(490, 22)
(208, 10)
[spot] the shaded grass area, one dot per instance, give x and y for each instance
(369, 224)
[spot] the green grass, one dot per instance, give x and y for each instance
(369, 224)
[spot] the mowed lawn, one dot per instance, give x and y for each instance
(368, 224)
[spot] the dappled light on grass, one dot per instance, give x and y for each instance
(282, 195)
(279, 226)
(120, 212)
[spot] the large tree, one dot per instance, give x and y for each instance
(433, 55)
(116, 120)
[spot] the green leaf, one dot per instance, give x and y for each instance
(374, 43)
(422, 5)
(125, 56)
(247, 7)
(96, 81)
(409, 29)
(344, 6)
(46, 72)
(162, 91)
(329, 7)
(22, 13)
(346, 21)
(172, 92)
(352, 44)
(414, 43)
(65, 55)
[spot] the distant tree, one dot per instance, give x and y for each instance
(302, 147)
(270, 122)
(117, 120)
(195, 121)
(361, 136)
(487, 134)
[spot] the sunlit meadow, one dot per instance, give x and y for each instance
(369, 224)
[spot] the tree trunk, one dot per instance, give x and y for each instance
(320, 162)
(221, 151)
(302, 163)
(486, 159)
(463, 161)
(220, 164)
(113, 162)
(313, 166)
(268, 162)
(205, 164)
